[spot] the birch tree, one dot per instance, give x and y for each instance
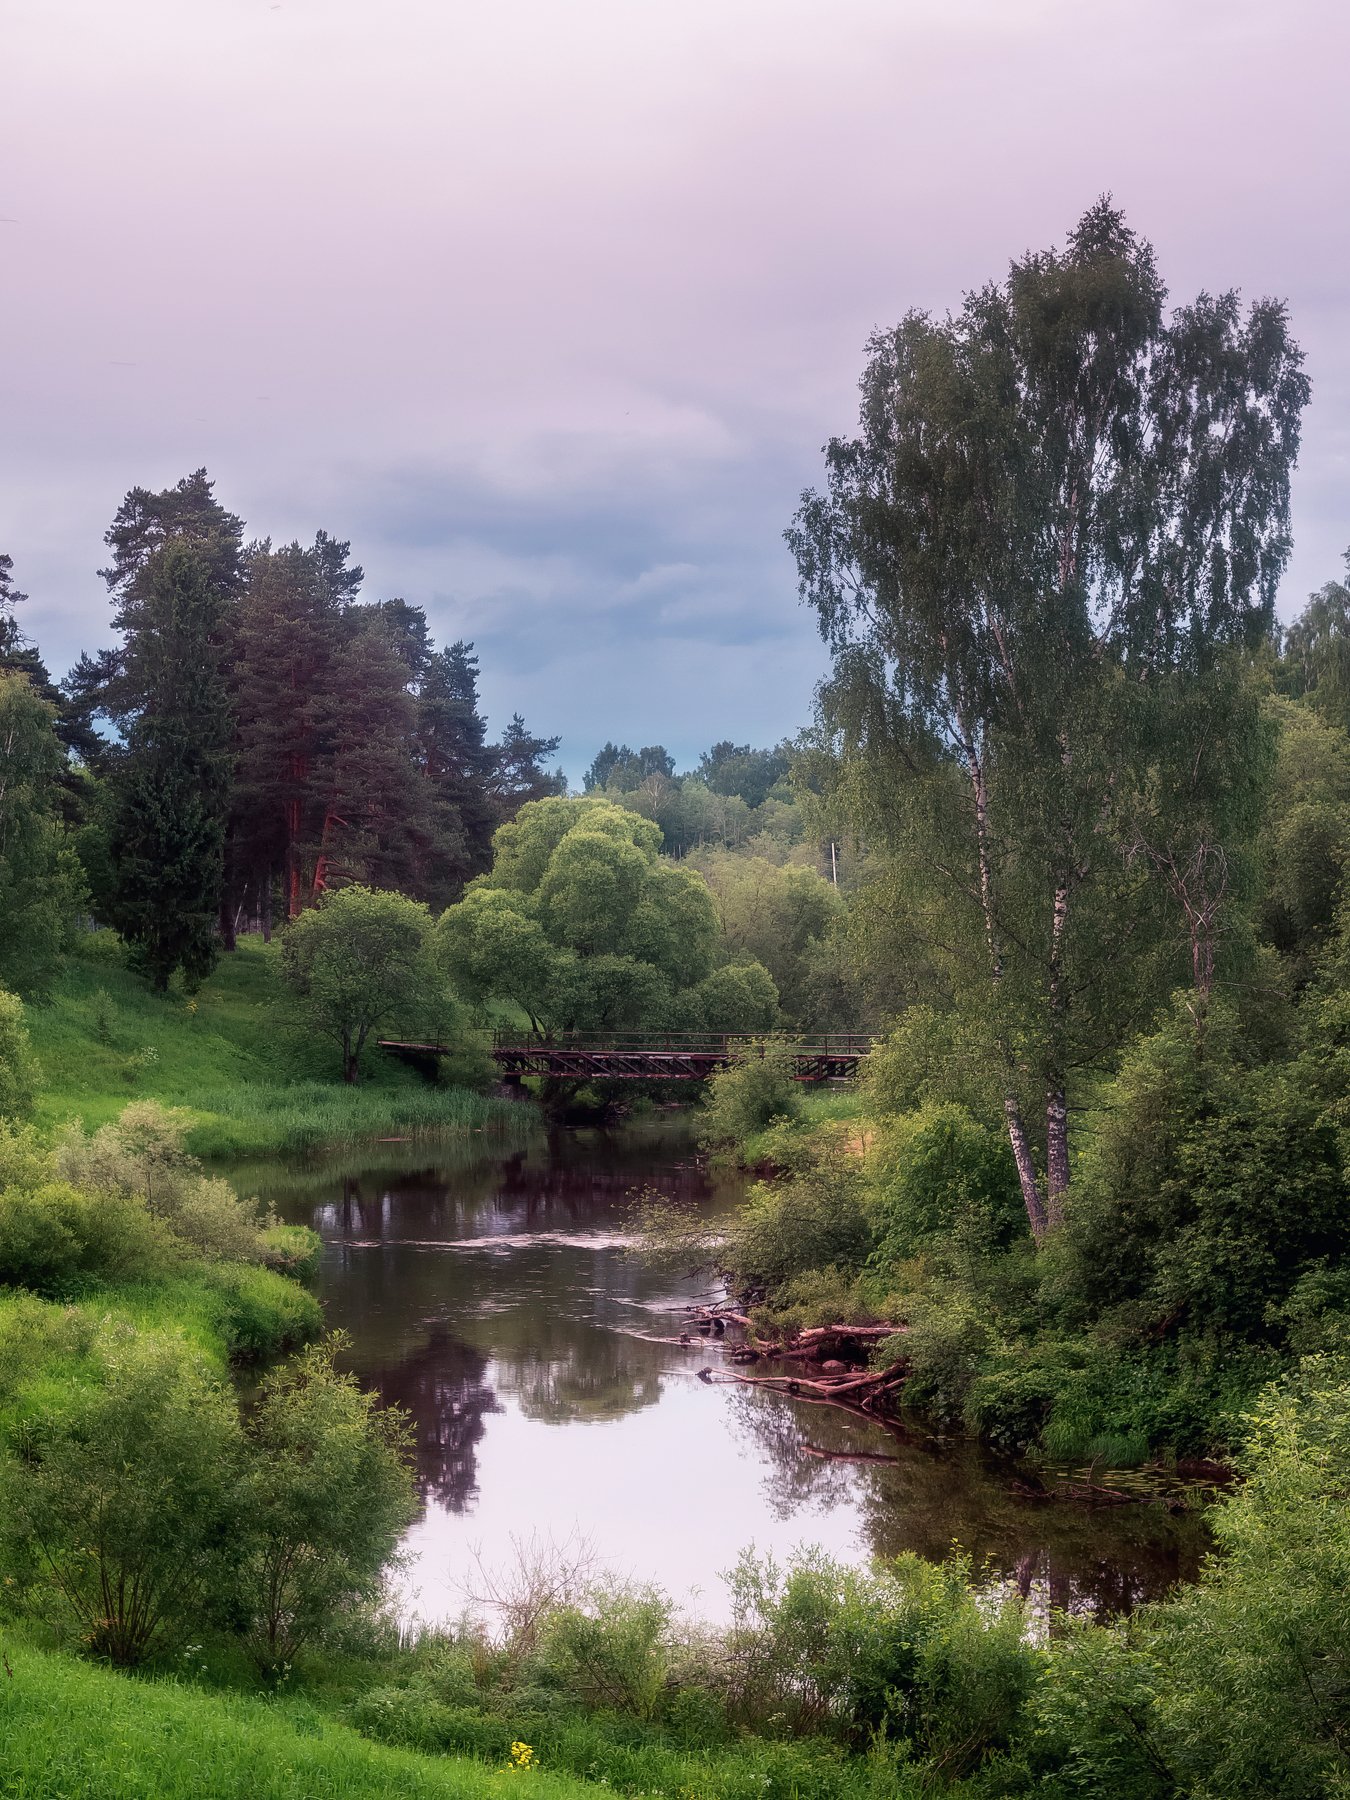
(1059, 497)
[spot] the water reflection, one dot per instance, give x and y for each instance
(492, 1294)
(915, 1494)
(443, 1386)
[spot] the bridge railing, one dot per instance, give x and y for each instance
(692, 1043)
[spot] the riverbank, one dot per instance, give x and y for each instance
(868, 1213)
(252, 1082)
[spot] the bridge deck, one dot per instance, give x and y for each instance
(658, 1056)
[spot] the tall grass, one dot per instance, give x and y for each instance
(72, 1732)
(252, 1118)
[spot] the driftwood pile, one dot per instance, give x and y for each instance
(836, 1350)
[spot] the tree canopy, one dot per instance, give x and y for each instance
(584, 926)
(1061, 502)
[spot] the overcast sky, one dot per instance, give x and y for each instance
(548, 305)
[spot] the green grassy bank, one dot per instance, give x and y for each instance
(69, 1731)
(253, 1083)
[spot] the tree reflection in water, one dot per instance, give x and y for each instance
(444, 1387)
(929, 1497)
(490, 1291)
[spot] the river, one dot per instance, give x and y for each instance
(494, 1294)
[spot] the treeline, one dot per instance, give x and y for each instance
(273, 734)
(735, 798)
(261, 735)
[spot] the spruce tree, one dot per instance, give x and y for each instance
(171, 784)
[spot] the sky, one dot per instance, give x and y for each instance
(549, 305)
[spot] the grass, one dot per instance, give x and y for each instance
(254, 1084)
(816, 1106)
(70, 1731)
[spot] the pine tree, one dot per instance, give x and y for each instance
(365, 785)
(172, 782)
(518, 773)
(288, 628)
(455, 760)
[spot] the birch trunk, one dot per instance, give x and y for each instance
(1032, 1197)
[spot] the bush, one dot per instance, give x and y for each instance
(19, 1072)
(907, 1650)
(1240, 1686)
(54, 1235)
(611, 1652)
(291, 1250)
(946, 1343)
(142, 1158)
(258, 1313)
(327, 1492)
(938, 1174)
(813, 1219)
(754, 1089)
(117, 1509)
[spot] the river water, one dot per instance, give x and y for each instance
(494, 1294)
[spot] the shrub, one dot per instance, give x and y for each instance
(753, 1090)
(260, 1314)
(946, 1343)
(118, 1507)
(102, 1016)
(52, 1235)
(19, 1073)
(938, 1173)
(291, 1250)
(813, 1219)
(610, 1652)
(1239, 1686)
(907, 1650)
(142, 1158)
(327, 1492)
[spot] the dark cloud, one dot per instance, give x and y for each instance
(549, 309)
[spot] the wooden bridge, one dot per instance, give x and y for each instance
(656, 1056)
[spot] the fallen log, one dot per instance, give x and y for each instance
(851, 1388)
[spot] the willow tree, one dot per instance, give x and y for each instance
(1060, 499)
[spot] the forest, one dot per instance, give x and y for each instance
(1066, 839)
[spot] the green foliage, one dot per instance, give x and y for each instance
(815, 1218)
(327, 1493)
(41, 887)
(291, 1250)
(738, 997)
(946, 1345)
(929, 1058)
(1305, 837)
(938, 1174)
(612, 1652)
(143, 1159)
(788, 920)
(171, 787)
(1207, 1187)
(907, 1651)
(118, 1508)
(257, 1313)
(583, 926)
(1238, 1686)
(755, 1088)
(19, 1070)
(357, 961)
